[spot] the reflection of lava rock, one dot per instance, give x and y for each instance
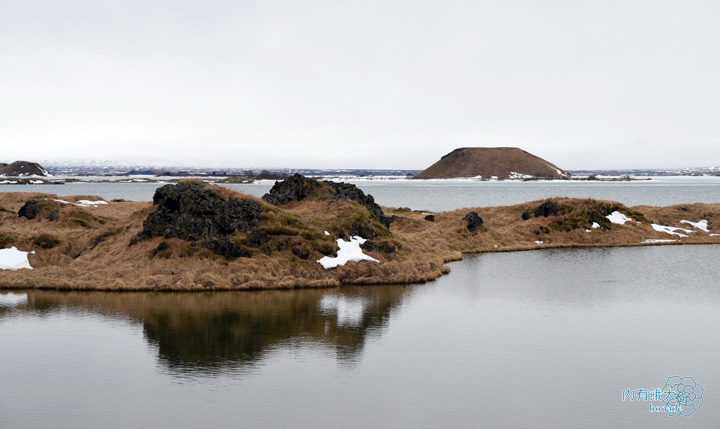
(474, 221)
(191, 211)
(299, 187)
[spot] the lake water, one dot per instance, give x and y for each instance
(546, 338)
(553, 344)
(441, 195)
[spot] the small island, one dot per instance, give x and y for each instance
(499, 163)
(303, 233)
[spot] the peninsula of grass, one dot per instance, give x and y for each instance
(196, 236)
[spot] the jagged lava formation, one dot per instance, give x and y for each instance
(492, 162)
(196, 236)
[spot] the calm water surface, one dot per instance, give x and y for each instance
(490, 345)
(444, 195)
(531, 339)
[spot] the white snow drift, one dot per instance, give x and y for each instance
(349, 251)
(618, 218)
(13, 259)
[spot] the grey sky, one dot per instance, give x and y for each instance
(352, 84)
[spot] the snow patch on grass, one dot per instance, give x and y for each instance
(349, 251)
(701, 225)
(618, 218)
(671, 230)
(13, 259)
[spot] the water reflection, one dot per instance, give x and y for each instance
(207, 333)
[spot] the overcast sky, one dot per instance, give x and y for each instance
(360, 84)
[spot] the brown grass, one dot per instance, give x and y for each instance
(91, 250)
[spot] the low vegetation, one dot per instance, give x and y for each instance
(203, 237)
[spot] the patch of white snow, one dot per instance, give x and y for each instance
(88, 203)
(595, 225)
(13, 259)
(655, 240)
(701, 225)
(326, 233)
(349, 251)
(618, 218)
(671, 230)
(538, 242)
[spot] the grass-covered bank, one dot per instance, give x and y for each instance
(203, 237)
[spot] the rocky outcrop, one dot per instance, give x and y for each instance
(23, 168)
(299, 187)
(474, 221)
(494, 162)
(548, 208)
(42, 209)
(192, 212)
(295, 188)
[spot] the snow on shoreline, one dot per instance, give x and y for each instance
(14, 259)
(349, 251)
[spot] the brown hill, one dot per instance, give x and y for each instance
(22, 168)
(501, 162)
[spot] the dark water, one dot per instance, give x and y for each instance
(449, 195)
(529, 339)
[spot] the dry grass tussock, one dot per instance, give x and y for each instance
(87, 248)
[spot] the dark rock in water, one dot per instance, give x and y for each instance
(430, 218)
(191, 211)
(223, 246)
(295, 188)
(30, 209)
(525, 215)
(548, 208)
(473, 221)
(299, 187)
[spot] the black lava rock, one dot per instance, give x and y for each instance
(295, 188)
(225, 247)
(525, 215)
(548, 208)
(430, 218)
(299, 187)
(360, 230)
(191, 211)
(30, 209)
(372, 246)
(473, 221)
